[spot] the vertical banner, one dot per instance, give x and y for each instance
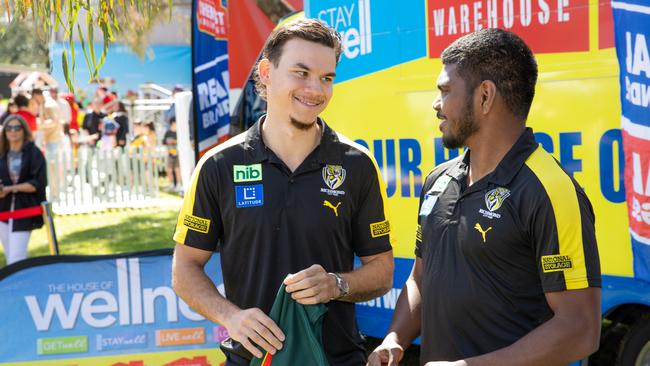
(632, 35)
(210, 81)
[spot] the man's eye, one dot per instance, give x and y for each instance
(328, 79)
(302, 74)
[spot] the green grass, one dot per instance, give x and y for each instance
(117, 231)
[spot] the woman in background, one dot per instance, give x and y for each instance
(23, 181)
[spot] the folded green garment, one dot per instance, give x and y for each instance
(302, 326)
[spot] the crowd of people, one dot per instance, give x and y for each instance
(44, 124)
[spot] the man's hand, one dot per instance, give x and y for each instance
(388, 353)
(249, 325)
(312, 286)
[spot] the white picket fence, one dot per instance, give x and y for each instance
(95, 180)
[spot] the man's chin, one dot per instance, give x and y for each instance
(302, 125)
(451, 142)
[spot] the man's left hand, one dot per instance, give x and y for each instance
(312, 286)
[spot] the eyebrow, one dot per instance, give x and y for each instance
(303, 66)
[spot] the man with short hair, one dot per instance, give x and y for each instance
(290, 202)
(27, 109)
(506, 269)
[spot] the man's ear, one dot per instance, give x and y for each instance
(264, 70)
(488, 95)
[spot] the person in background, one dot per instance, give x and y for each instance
(52, 128)
(23, 180)
(109, 129)
(12, 108)
(65, 109)
(91, 123)
(39, 98)
(173, 167)
(152, 139)
(27, 110)
(121, 117)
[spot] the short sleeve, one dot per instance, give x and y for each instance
(418, 228)
(371, 227)
(565, 241)
(199, 221)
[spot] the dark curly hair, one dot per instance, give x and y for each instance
(312, 30)
(500, 56)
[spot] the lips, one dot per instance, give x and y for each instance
(442, 124)
(308, 102)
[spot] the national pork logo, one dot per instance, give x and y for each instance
(212, 18)
(333, 176)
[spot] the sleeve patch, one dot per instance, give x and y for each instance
(381, 228)
(418, 233)
(556, 263)
(196, 223)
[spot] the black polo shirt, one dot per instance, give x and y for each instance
(490, 251)
(268, 222)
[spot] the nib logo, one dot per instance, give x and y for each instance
(354, 24)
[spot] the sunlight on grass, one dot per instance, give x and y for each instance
(109, 232)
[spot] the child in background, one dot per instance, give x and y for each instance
(173, 167)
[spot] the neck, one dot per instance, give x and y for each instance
(290, 144)
(489, 146)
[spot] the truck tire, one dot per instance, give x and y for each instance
(635, 348)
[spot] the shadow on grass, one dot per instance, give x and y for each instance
(133, 234)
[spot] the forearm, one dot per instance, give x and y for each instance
(405, 325)
(372, 279)
(556, 342)
(20, 187)
(198, 291)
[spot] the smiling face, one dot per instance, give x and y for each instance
(299, 87)
(454, 106)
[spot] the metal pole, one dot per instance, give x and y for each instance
(49, 227)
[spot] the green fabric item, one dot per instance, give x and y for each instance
(302, 327)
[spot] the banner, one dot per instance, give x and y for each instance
(109, 310)
(211, 80)
(632, 35)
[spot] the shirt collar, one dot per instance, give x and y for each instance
(514, 159)
(508, 167)
(459, 170)
(328, 153)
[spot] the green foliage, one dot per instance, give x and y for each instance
(131, 18)
(18, 46)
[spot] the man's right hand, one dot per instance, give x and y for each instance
(249, 325)
(388, 353)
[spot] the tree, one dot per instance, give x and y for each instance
(17, 46)
(130, 18)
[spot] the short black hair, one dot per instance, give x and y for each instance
(500, 56)
(21, 100)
